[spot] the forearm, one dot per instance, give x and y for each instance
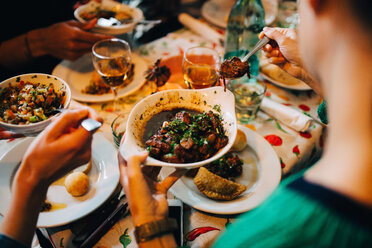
(21, 49)
(20, 220)
(312, 82)
(165, 241)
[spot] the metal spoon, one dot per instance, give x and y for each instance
(260, 44)
(91, 125)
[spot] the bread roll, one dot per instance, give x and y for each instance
(77, 183)
(240, 141)
(277, 73)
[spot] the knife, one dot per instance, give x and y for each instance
(84, 227)
(94, 237)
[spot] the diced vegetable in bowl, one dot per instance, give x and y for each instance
(28, 102)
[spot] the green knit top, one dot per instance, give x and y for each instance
(302, 214)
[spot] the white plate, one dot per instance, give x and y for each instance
(261, 174)
(136, 14)
(217, 11)
(103, 176)
(79, 73)
(298, 86)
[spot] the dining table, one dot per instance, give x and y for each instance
(295, 150)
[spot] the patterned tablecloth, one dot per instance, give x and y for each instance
(296, 150)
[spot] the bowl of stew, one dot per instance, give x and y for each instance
(181, 127)
(113, 18)
(28, 101)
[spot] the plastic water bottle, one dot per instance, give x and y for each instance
(246, 21)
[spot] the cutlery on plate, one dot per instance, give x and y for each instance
(88, 225)
(102, 229)
(115, 22)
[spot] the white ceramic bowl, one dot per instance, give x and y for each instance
(35, 128)
(136, 14)
(202, 100)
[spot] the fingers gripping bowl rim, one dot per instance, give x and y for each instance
(33, 129)
(213, 99)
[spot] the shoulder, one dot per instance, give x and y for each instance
(291, 218)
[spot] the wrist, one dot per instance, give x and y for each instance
(154, 229)
(35, 43)
(29, 182)
(140, 220)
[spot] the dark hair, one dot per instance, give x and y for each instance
(362, 11)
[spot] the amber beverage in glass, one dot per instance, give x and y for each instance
(200, 67)
(111, 59)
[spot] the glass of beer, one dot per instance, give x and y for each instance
(111, 59)
(200, 67)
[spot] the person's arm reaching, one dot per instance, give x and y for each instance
(147, 197)
(61, 147)
(63, 40)
(287, 55)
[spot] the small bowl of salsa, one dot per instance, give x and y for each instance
(28, 101)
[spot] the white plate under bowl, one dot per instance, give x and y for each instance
(79, 73)
(136, 14)
(200, 100)
(261, 174)
(298, 86)
(103, 177)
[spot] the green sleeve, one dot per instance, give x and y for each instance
(322, 112)
(290, 219)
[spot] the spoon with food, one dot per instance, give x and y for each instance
(235, 68)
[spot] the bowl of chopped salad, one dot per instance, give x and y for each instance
(28, 102)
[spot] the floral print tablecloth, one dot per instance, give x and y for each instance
(295, 150)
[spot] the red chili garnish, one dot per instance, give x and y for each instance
(274, 140)
(282, 164)
(304, 107)
(193, 234)
(287, 104)
(295, 150)
(267, 94)
(305, 135)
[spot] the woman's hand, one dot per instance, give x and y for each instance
(61, 147)
(4, 134)
(286, 55)
(146, 196)
(65, 40)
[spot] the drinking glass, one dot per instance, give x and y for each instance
(248, 98)
(200, 67)
(111, 59)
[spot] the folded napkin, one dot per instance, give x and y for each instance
(287, 115)
(200, 28)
